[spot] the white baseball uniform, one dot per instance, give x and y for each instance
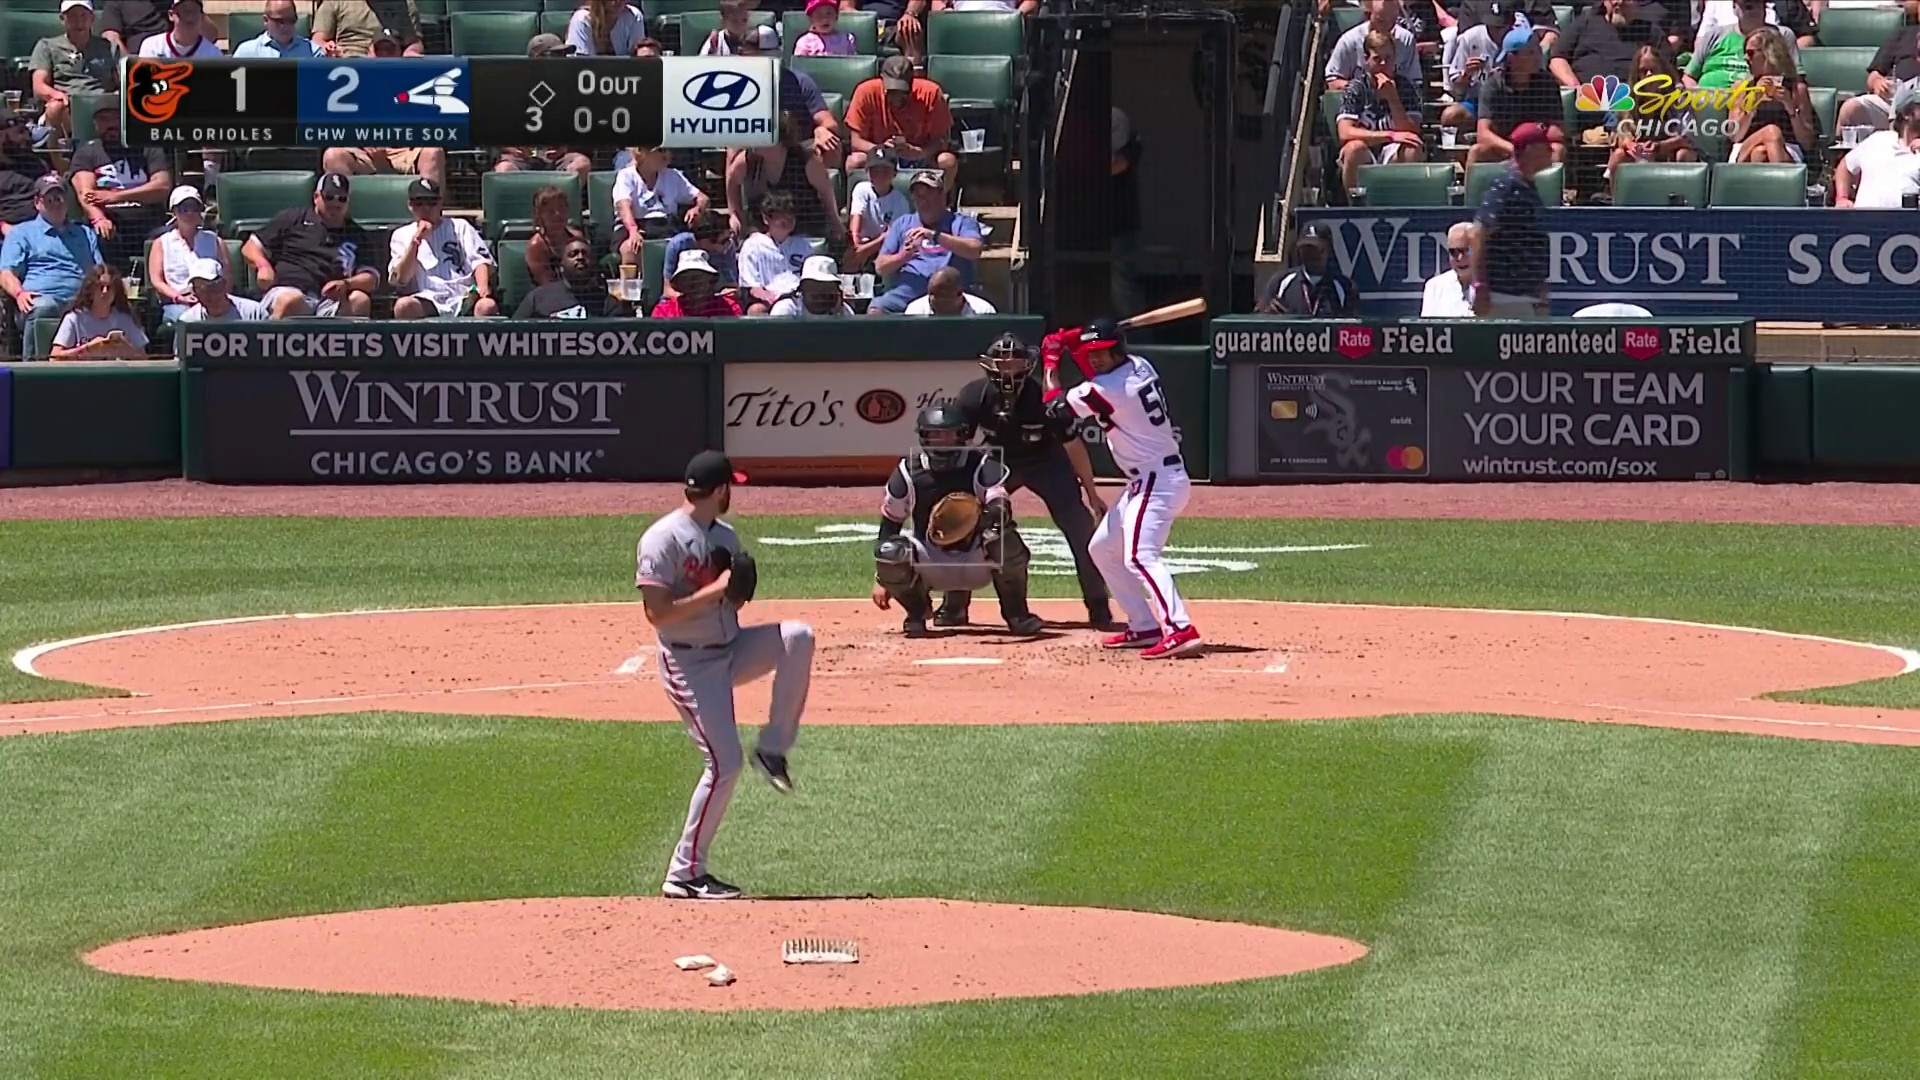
(1131, 410)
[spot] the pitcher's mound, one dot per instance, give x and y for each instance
(618, 952)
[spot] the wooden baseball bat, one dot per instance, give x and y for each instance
(1182, 310)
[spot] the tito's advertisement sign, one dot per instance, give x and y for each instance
(849, 420)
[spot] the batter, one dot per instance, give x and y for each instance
(693, 575)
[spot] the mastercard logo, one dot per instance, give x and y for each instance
(1409, 458)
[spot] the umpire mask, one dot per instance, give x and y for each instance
(944, 433)
(1008, 362)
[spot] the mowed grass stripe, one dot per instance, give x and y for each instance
(1614, 903)
(60, 579)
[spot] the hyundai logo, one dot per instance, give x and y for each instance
(722, 91)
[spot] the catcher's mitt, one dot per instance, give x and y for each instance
(746, 574)
(953, 520)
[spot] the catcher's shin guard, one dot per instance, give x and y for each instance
(893, 569)
(1010, 580)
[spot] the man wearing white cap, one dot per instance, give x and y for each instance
(75, 62)
(696, 291)
(213, 302)
(818, 294)
(1881, 172)
(441, 265)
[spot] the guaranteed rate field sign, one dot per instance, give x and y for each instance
(351, 402)
(1464, 400)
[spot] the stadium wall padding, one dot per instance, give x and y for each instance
(1863, 417)
(1783, 417)
(83, 415)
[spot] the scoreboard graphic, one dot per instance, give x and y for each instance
(451, 102)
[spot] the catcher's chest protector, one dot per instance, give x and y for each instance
(929, 485)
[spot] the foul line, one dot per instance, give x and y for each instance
(283, 703)
(1754, 719)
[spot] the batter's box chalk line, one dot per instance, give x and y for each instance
(1052, 558)
(820, 951)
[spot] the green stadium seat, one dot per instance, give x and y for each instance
(1826, 109)
(836, 104)
(1569, 115)
(696, 25)
(243, 281)
(973, 82)
(516, 281)
(1854, 27)
(1716, 146)
(902, 179)
(492, 33)
(248, 199)
(1550, 182)
(1407, 185)
(1346, 17)
(600, 207)
(84, 105)
(864, 26)
(506, 201)
(653, 273)
(976, 33)
(1649, 183)
(380, 202)
(20, 31)
(1844, 69)
(456, 7)
(554, 21)
(1758, 185)
(1330, 113)
(243, 26)
(42, 345)
(663, 13)
(838, 74)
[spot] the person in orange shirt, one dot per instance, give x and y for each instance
(906, 114)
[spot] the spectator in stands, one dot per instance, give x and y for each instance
(1653, 132)
(351, 27)
(579, 293)
(1449, 293)
(1510, 241)
(121, 191)
(1520, 92)
(1379, 115)
(819, 293)
(800, 99)
(129, 23)
(903, 24)
(44, 259)
(546, 158)
(1897, 62)
(314, 260)
(1602, 40)
(696, 294)
(99, 324)
(919, 244)
(906, 114)
(1313, 289)
(74, 62)
(185, 37)
(711, 235)
(1719, 52)
(650, 47)
(280, 40)
(1884, 169)
(872, 206)
(734, 29)
(172, 254)
(440, 265)
(947, 295)
(605, 28)
(214, 300)
(1782, 126)
(1024, 7)
(553, 230)
(1349, 57)
(823, 36)
(1473, 56)
(785, 167)
(1535, 15)
(653, 201)
(20, 166)
(427, 161)
(1796, 16)
(770, 260)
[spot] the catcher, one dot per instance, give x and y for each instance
(953, 499)
(694, 575)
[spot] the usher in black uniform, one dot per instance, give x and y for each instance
(1007, 406)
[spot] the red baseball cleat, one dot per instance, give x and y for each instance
(1179, 643)
(1130, 639)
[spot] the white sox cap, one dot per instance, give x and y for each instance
(820, 268)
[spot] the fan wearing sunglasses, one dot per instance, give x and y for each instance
(314, 260)
(19, 168)
(1449, 293)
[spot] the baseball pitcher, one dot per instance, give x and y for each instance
(693, 575)
(1123, 396)
(946, 523)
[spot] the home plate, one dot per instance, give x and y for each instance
(960, 661)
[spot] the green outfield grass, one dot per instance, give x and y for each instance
(1541, 899)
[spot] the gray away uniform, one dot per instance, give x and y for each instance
(702, 658)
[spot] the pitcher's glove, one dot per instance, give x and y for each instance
(746, 574)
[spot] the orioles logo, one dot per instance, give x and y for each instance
(155, 89)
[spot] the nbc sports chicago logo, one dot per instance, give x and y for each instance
(1656, 107)
(718, 101)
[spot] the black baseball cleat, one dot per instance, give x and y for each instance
(950, 615)
(914, 626)
(1026, 625)
(775, 766)
(704, 887)
(1100, 615)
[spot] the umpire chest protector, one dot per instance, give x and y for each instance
(1020, 428)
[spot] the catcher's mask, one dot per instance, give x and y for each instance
(940, 427)
(1008, 362)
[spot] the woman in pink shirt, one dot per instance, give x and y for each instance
(824, 36)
